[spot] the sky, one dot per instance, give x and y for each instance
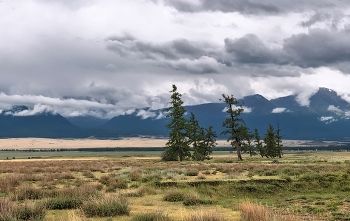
(106, 58)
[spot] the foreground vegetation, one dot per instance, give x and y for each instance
(308, 186)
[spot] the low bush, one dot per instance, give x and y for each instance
(135, 175)
(174, 196)
(151, 217)
(63, 202)
(194, 200)
(27, 192)
(35, 211)
(109, 206)
(192, 173)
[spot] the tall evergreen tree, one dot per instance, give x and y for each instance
(278, 138)
(193, 133)
(177, 147)
(207, 143)
(259, 143)
(203, 140)
(234, 124)
(270, 142)
(248, 147)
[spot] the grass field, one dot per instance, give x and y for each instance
(138, 186)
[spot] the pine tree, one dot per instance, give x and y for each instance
(279, 144)
(234, 124)
(207, 142)
(248, 147)
(259, 144)
(194, 136)
(270, 142)
(203, 140)
(177, 147)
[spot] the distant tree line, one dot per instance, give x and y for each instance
(188, 140)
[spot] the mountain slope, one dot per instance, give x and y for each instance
(327, 117)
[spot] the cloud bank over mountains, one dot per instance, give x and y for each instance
(105, 58)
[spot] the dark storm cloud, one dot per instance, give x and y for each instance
(250, 49)
(319, 47)
(317, 17)
(255, 7)
(174, 50)
(179, 54)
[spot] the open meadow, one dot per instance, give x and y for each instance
(140, 187)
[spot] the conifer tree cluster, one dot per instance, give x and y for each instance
(187, 139)
(242, 139)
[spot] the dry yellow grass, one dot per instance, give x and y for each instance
(256, 212)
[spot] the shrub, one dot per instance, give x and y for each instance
(63, 202)
(27, 192)
(109, 206)
(192, 173)
(201, 176)
(151, 178)
(174, 196)
(194, 200)
(88, 174)
(151, 217)
(29, 212)
(135, 175)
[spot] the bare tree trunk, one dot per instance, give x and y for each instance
(238, 149)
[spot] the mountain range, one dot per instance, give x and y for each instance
(327, 117)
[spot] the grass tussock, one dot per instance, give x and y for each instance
(109, 206)
(253, 212)
(206, 216)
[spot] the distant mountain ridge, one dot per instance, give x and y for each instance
(326, 117)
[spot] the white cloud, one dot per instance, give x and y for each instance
(278, 110)
(328, 120)
(245, 109)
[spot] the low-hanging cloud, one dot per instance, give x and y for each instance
(278, 110)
